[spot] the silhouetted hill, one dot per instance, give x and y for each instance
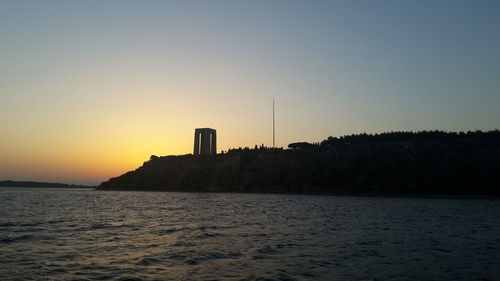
(9, 183)
(404, 163)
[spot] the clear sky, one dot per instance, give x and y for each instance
(91, 89)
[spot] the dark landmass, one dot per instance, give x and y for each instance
(9, 183)
(396, 163)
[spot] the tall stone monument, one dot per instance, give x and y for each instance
(205, 141)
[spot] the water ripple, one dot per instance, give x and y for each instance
(91, 235)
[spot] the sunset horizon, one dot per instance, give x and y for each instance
(89, 89)
(249, 140)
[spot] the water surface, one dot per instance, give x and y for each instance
(68, 234)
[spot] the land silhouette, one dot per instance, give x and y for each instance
(10, 183)
(394, 163)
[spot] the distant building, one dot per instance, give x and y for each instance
(205, 141)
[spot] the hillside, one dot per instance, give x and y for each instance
(392, 163)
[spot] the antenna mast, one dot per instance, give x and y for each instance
(274, 145)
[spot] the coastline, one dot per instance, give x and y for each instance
(423, 196)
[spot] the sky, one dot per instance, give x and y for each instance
(90, 89)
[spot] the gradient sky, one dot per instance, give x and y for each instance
(91, 89)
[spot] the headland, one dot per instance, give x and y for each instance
(395, 163)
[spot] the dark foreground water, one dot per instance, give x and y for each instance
(61, 234)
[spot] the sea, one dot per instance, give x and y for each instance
(84, 234)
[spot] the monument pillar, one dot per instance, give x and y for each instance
(196, 142)
(205, 141)
(213, 148)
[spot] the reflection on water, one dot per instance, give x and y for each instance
(92, 235)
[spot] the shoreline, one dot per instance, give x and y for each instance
(436, 196)
(58, 187)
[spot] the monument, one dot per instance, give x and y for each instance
(205, 141)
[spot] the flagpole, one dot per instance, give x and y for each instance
(274, 144)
